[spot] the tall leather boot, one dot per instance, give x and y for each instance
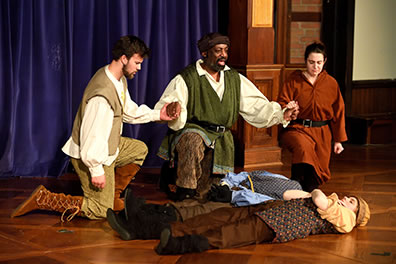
(119, 224)
(43, 199)
(123, 176)
(170, 245)
(132, 204)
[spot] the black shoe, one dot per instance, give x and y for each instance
(169, 245)
(132, 204)
(182, 194)
(119, 225)
(161, 248)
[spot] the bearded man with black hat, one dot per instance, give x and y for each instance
(211, 95)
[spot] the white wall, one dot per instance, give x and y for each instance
(374, 55)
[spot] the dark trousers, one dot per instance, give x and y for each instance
(191, 207)
(229, 227)
(306, 175)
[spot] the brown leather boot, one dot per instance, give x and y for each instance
(42, 199)
(123, 176)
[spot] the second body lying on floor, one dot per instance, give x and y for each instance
(245, 188)
(248, 188)
(272, 221)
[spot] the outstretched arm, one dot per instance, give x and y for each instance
(256, 109)
(295, 194)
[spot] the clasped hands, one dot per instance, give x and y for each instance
(292, 110)
(170, 111)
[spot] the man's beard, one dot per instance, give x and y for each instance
(127, 74)
(216, 67)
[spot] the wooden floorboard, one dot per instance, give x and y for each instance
(40, 237)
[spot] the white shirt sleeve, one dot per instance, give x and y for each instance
(94, 134)
(134, 114)
(254, 106)
(176, 91)
(256, 109)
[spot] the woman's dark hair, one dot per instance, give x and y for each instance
(129, 45)
(316, 47)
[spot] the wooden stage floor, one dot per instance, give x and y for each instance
(40, 237)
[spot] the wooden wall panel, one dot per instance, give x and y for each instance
(373, 97)
(258, 147)
(267, 80)
(260, 50)
(252, 53)
(237, 32)
(262, 13)
(372, 116)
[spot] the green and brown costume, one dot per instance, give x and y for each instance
(205, 111)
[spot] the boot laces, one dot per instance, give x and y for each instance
(72, 215)
(58, 202)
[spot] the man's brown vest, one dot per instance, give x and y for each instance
(101, 85)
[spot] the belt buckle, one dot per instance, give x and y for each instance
(307, 122)
(220, 129)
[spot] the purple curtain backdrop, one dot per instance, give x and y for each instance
(50, 49)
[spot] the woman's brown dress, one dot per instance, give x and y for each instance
(319, 102)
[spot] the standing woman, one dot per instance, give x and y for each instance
(321, 119)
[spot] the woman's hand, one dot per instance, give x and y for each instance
(291, 111)
(338, 148)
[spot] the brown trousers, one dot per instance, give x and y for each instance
(229, 227)
(194, 166)
(190, 208)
